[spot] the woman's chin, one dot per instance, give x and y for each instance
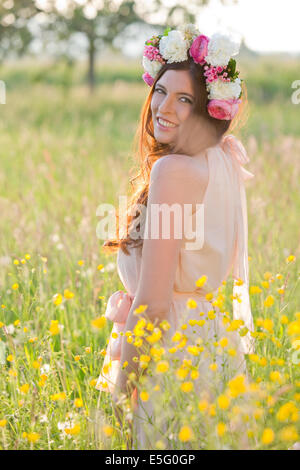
(161, 138)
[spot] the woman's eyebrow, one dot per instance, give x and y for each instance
(178, 93)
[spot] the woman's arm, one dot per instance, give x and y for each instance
(173, 180)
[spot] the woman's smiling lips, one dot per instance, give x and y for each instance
(165, 124)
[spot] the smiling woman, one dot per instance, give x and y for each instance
(186, 162)
(178, 96)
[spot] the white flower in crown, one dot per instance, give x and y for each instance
(189, 31)
(220, 49)
(219, 90)
(174, 47)
(151, 66)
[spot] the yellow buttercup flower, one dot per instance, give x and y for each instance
(289, 433)
(57, 299)
(68, 294)
(223, 402)
(284, 320)
(223, 342)
(74, 430)
(221, 429)
(3, 423)
(78, 403)
(155, 337)
(187, 387)
(232, 352)
(269, 301)
(191, 303)
(108, 430)
(201, 281)
(194, 350)
(54, 327)
(267, 275)
(15, 286)
(99, 322)
(140, 309)
(177, 336)
(24, 388)
(211, 314)
(194, 374)
(33, 437)
(144, 396)
(293, 328)
(185, 434)
(255, 290)
(267, 436)
(181, 373)
(290, 259)
(268, 324)
(61, 396)
(287, 411)
(237, 386)
(162, 367)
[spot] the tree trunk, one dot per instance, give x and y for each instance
(91, 71)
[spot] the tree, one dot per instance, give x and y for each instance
(102, 21)
(15, 35)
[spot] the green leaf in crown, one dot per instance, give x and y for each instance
(231, 67)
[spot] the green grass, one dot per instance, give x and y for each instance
(63, 153)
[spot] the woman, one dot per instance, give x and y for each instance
(185, 160)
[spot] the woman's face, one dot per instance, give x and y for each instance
(172, 101)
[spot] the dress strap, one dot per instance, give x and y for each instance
(234, 147)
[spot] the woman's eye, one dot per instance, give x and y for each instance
(187, 100)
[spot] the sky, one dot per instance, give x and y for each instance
(266, 25)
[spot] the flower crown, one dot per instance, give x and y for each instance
(214, 54)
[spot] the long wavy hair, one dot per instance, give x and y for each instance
(147, 149)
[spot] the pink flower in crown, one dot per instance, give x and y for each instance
(198, 49)
(223, 109)
(152, 53)
(148, 79)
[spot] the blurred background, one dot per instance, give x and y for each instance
(73, 94)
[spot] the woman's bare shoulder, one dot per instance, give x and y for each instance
(180, 165)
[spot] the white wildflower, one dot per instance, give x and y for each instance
(45, 369)
(43, 419)
(110, 267)
(10, 329)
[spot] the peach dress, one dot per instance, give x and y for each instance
(225, 250)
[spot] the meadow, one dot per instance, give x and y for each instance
(62, 153)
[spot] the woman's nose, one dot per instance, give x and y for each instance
(166, 106)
